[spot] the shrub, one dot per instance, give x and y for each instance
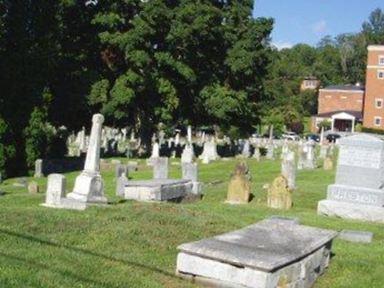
(7, 148)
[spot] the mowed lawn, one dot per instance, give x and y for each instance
(132, 244)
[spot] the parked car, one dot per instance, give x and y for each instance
(290, 136)
(333, 137)
(313, 137)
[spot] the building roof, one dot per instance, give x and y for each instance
(345, 88)
(357, 114)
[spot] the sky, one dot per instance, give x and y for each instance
(307, 21)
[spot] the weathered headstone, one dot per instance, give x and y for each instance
(188, 154)
(309, 161)
(270, 151)
(121, 182)
(160, 168)
(89, 187)
(33, 187)
(239, 188)
(120, 170)
(279, 194)
(55, 190)
(256, 154)
(328, 163)
(38, 168)
(359, 189)
(190, 172)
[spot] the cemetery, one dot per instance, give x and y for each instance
(164, 144)
(242, 221)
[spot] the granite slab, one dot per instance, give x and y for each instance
(266, 246)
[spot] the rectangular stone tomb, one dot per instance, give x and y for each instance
(271, 253)
(157, 189)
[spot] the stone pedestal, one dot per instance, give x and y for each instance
(157, 190)
(89, 187)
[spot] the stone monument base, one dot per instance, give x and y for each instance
(66, 203)
(89, 188)
(271, 253)
(157, 190)
(351, 211)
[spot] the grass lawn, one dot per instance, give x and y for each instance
(131, 244)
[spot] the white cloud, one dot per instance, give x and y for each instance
(319, 27)
(282, 45)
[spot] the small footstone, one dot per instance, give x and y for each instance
(356, 236)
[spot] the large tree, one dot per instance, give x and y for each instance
(201, 62)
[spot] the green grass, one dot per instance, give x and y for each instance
(131, 244)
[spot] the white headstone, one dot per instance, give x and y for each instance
(55, 190)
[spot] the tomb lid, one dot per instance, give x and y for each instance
(267, 245)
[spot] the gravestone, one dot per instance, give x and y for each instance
(270, 152)
(358, 192)
(33, 187)
(256, 154)
(190, 172)
(160, 168)
(356, 236)
(288, 169)
(328, 163)
(246, 152)
(279, 194)
(121, 182)
(55, 190)
(121, 169)
(301, 154)
(239, 188)
(188, 154)
(269, 254)
(89, 186)
(155, 150)
(309, 160)
(38, 168)
(323, 151)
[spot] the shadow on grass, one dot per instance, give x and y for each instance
(86, 252)
(64, 273)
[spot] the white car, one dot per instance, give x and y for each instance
(291, 136)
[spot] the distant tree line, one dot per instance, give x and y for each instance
(141, 63)
(334, 61)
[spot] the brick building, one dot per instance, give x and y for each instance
(346, 105)
(342, 105)
(374, 94)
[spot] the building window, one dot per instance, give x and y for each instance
(380, 74)
(381, 60)
(379, 103)
(377, 121)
